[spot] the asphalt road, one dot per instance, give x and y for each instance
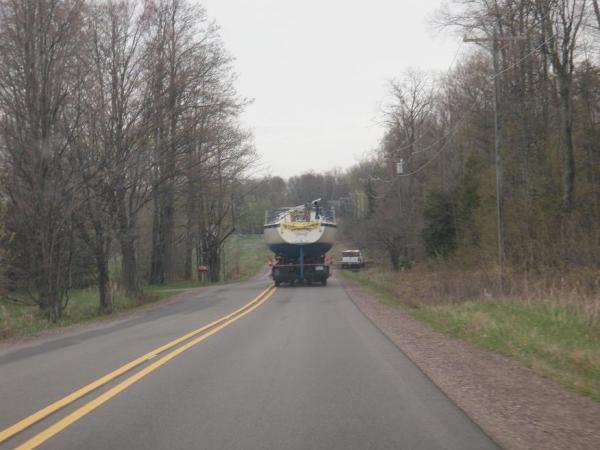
(304, 370)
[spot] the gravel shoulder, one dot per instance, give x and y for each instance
(514, 406)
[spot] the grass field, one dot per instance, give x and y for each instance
(554, 340)
(170, 289)
(244, 257)
(18, 320)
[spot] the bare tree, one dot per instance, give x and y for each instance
(410, 109)
(186, 58)
(113, 156)
(561, 23)
(410, 136)
(195, 137)
(108, 107)
(596, 11)
(40, 76)
(231, 156)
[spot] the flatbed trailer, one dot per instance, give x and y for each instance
(300, 237)
(311, 270)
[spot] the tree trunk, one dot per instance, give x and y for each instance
(394, 255)
(103, 281)
(596, 11)
(129, 266)
(101, 248)
(214, 264)
(199, 259)
(163, 226)
(189, 231)
(127, 234)
(168, 231)
(168, 197)
(55, 310)
(157, 272)
(566, 118)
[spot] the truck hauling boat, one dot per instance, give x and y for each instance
(300, 237)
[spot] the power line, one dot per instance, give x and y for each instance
(408, 146)
(429, 161)
(491, 78)
(517, 63)
(464, 117)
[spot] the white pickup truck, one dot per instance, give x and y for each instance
(352, 259)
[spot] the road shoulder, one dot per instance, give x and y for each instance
(517, 408)
(102, 321)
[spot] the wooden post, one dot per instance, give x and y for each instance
(501, 237)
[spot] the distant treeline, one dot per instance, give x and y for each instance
(275, 192)
(431, 188)
(122, 155)
(121, 151)
(429, 191)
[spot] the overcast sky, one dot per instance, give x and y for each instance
(318, 71)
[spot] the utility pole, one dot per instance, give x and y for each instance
(494, 39)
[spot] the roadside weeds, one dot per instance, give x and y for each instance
(517, 408)
(556, 339)
(21, 321)
(48, 329)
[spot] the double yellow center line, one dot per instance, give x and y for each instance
(199, 335)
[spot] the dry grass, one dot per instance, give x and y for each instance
(422, 285)
(18, 320)
(245, 255)
(551, 324)
(577, 291)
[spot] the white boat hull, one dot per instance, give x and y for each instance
(288, 240)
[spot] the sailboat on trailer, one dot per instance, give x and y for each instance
(308, 229)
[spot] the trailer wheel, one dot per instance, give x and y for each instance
(324, 282)
(277, 283)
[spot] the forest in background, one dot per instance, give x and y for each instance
(123, 161)
(431, 192)
(537, 101)
(120, 146)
